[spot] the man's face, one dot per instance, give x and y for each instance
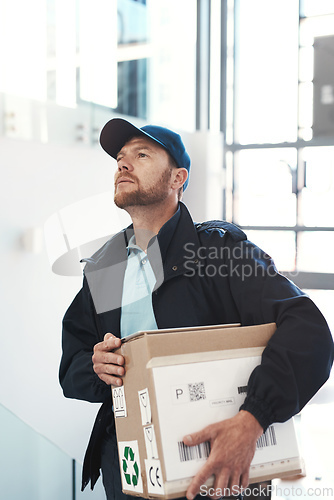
(143, 175)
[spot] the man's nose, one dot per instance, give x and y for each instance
(124, 164)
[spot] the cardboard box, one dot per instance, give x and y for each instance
(177, 382)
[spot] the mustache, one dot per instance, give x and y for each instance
(127, 176)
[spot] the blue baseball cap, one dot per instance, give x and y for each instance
(118, 132)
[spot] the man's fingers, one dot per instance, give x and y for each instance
(107, 336)
(205, 472)
(244, 480)
(234, 484)
(198, 480)
(106, 357)
(111, 380)
(221, 486)
(103, 351)
(111, 341)
(107, 365)
(198, 437)
(232, 444)
(224, 485)
(109, 373)
(109, 369)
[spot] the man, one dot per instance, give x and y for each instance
(154, 275)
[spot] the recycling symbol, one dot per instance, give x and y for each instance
(130, 466)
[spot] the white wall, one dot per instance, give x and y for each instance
(37, 180)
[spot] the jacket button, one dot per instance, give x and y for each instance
(174, 268)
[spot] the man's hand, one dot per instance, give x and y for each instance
(106, 364)
(233, 444)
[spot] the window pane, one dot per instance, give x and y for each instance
(315, 252)
(316, 8)
(317, 197)
(132, 88)
(280, 245)
(264, 187)
(98, 48)
(266, 71)
(132, 21)
(172, 68)
(311, 27)
(23, 48)
(157, 61)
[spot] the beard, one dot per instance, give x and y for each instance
(141, 196)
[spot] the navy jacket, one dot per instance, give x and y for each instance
(211, 274)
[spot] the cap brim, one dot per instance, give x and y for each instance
(116, 133)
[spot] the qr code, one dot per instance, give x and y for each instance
(196, 391)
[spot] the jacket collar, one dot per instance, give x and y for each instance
(105, 269)
(177, 234)
(185, 236)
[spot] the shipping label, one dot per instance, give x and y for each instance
(191, 396)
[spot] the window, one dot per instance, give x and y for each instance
(264, 184)
(266, 65)
(117, 57)
(280, 135)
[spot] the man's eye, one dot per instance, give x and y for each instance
(142, 155)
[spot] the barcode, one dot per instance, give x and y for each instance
(268, 438)
(196, 391)
(242, 389)
(197, 452)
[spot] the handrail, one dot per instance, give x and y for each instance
(34, 468)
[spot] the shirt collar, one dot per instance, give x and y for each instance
(132, 247)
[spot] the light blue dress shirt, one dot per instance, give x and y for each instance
(139, 281)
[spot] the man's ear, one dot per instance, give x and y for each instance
(180, 177)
